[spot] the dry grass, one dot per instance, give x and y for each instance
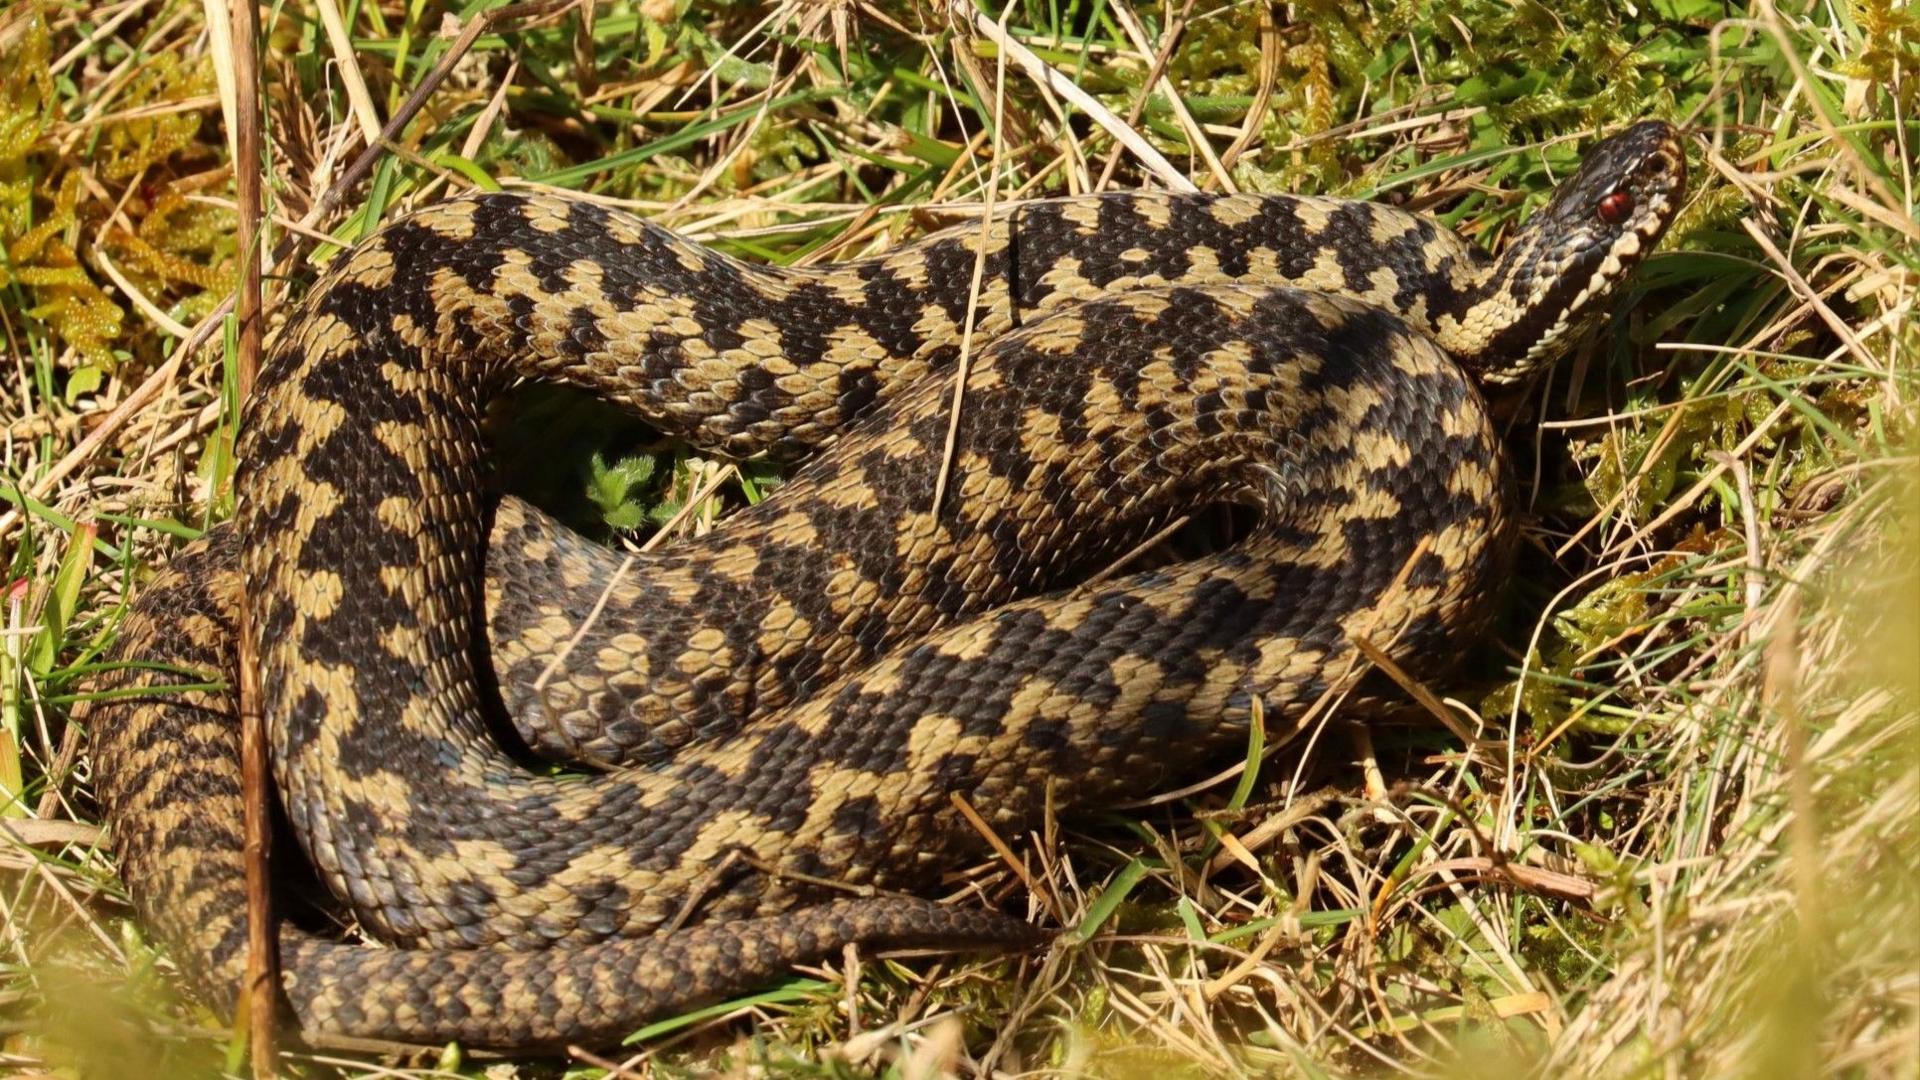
(1682, 841)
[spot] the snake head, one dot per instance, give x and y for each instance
(1554, 278)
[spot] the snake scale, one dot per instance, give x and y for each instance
(791, 699)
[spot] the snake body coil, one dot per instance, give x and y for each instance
(793, 697)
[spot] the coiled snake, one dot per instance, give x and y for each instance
(792, 698)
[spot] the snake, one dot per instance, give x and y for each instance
(565, 789)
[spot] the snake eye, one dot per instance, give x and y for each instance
(1615, 207)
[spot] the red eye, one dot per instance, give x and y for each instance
(1615, 207)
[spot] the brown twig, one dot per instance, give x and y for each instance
(1270, 50)
(370, 155)
(1169, 39)
(263, 976)
(964, 363)
(1014, 863)
(1152, 160)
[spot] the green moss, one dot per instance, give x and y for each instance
(180, 253)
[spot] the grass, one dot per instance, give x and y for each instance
(1686, 842)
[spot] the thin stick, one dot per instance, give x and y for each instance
(167, 323)
(262, 954)
(1810, 295)
(342, 44)
(692, 504)
(363, 164)
(263, 977)
(1196, 138)
(1270, 46)
(1134, 553)
(100, 33)
(1000, 848)
(220, 50)
(964, 364)
(1417, 690)
(1038, 70)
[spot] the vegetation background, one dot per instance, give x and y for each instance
(1683, 840)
